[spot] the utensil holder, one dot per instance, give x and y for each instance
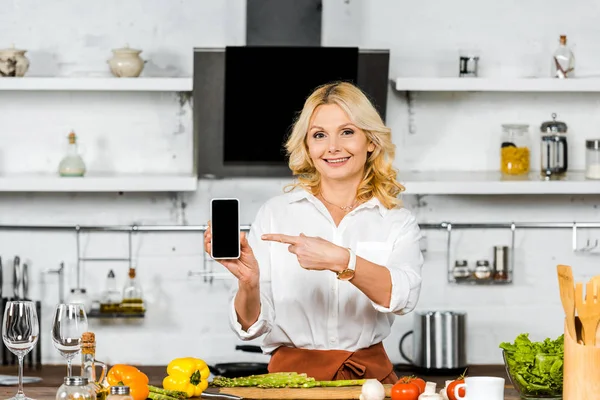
(581, 369)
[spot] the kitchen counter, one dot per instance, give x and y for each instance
(52, 377)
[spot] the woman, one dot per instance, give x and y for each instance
(327, 266)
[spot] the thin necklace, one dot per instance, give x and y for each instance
(345, 208)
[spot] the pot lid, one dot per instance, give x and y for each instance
(553, 126)
(12, 49)
(126, 50)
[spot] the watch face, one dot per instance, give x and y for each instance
(346, 275)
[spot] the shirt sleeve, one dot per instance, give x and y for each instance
(405, 264)
(260, 248)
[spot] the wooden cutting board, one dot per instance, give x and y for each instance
(324, 393)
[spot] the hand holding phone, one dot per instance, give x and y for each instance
(245, 266)
(225, 228)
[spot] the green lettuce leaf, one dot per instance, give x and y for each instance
(536, 367)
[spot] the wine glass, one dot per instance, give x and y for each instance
(20, 332)
(69, 323)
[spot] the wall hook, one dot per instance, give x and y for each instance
(589, 246)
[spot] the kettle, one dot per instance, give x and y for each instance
(439, 341)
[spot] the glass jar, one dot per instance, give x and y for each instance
(592, 158)
(461, 272)
(554, 150)
(119, 393)
(75, 387)
(515, 150)
(483, 271)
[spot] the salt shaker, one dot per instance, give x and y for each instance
(592, 159)
(119, 393)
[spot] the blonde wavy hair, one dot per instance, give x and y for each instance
(379, 178)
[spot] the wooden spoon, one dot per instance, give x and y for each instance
(588, 311)
(596, 283)
(567, 297)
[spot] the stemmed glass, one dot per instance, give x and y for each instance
(20, 332)
(69, 323)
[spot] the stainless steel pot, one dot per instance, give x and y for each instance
(439, 340)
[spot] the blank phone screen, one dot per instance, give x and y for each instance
(225, 228)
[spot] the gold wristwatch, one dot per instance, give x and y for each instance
(348, 273)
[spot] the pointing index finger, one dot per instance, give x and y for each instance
(277, 237)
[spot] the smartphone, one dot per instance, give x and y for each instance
(225, 226)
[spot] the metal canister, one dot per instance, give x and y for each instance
(501, 263)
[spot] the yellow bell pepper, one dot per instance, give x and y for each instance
(189, 375)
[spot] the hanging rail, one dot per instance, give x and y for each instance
(447, 226)
(202, 228)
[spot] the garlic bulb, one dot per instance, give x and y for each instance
(444, 391)
(372, 389)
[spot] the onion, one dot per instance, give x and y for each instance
(372, 389)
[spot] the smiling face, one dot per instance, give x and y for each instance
(337, 147)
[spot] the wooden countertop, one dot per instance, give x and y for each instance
(52, 377)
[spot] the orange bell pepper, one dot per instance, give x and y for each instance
(126, 375)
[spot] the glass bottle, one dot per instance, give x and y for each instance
(75, 387)
(89, 364)
(563, 60)
(515, 150)
(72, 164)
(111, 298)
(119, 393)
(133, 301)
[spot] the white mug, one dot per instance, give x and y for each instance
(481, 388)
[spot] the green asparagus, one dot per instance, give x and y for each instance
(281, 380)
(171, 393)
(158, 396)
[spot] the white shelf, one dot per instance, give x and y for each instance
(97, 183)
(97, 84)
(481, 183)
(497, 85)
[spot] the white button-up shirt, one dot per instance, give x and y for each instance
(313, 309)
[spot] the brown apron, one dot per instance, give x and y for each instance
(328, 365)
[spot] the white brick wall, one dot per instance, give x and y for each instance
(143, 132)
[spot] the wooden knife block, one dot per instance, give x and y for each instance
(581, 373)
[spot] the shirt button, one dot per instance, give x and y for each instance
(332, 339)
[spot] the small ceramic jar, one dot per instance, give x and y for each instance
(13, 62)
(126, 63)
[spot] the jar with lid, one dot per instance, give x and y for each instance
(483, 271)
(592, 158)
(554, 150)
(515, 150)
(461, 272)
(119, 393)
(75, 388)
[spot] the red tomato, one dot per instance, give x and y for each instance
(414, 380)
(405, 391)
(420, 383)
(452, 385)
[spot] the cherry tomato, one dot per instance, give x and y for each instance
(452, 385)
(405, 391)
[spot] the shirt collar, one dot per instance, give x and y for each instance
(301, 194)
